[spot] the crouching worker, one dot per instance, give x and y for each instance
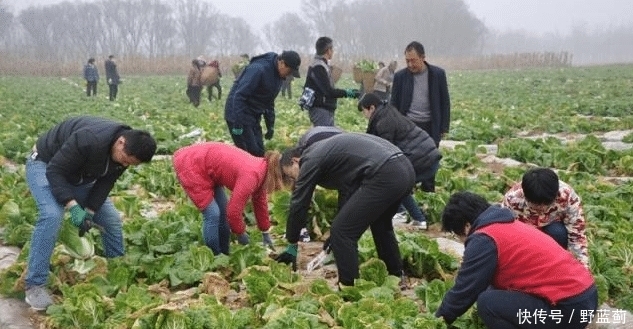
(74, 166)
(205, 169)
(385, 121)
(513, 270)
(371, 175)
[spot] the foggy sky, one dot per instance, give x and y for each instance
(534, 16)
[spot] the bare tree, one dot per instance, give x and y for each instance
(82, 28)
(319, 15)
(6, 20)
(130, 19)
(234, 36)
(161, 29)
(195, 22)
(289, 32)
(38, 26)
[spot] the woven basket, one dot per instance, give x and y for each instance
(336, 73)
(209, 75)
(368, 81)
(358, 74)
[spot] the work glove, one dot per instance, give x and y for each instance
(267, 241)
(77, 215)
(352, 93)
(289, 256)
(243, 239)
(237, 130)
(269, 133)
(86, 225)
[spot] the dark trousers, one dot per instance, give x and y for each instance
(371, 206)
(558, 232)
(500, 309)
(428, 184)
(251, 140)
(193, 92)
(91, 87)
(114, 89)
(218, 87)
(409, 202)
(286, 88)
(321, 116)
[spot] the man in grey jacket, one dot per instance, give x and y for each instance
(73, 167)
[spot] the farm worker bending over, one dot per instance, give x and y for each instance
(545, 202)
(371, 175)
(513, 271)
(205, 169)
(194, 83)
(253, 95)
(217, 84)
(74, 166)
(319, 84)
(310, 137)
(386, 122)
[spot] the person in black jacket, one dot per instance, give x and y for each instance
(74, 166)
(385, 121)
(253, 94)
(112, 76)
(420, 92)
(346, 162)
(322, 102)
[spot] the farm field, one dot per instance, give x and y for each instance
(169, 279)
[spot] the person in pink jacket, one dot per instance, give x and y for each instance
(205, 169)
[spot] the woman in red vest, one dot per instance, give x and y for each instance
(205, 169)
(518, 275)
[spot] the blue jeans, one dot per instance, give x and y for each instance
(215, 228)
(409, 202)
(51, 214)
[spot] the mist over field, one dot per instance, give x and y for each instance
(454, 32)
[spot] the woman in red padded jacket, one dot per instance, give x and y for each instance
(205, 169)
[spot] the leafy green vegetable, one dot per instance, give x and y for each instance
(74, 245)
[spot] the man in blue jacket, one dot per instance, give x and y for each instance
(420, 92)
(253, 95)
(73, 167)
